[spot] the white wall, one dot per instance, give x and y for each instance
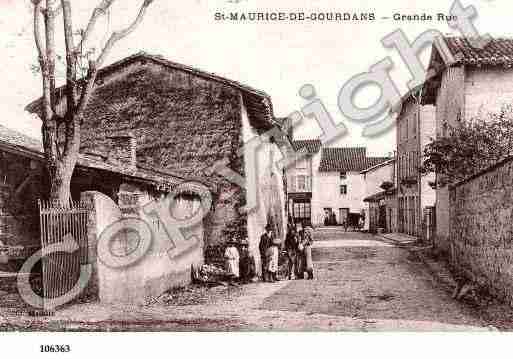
(375, 177)
(326, 194)
(373, 180)
(487, 89)
(270, 190)
(166, 263)
(301, 167)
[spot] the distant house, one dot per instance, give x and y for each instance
(478, 82)
(191, 122)
(326, 186)
(415, 127)
(381, 195)
(300, 179)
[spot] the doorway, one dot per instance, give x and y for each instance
(343, 214)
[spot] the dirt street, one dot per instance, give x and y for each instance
(361, 284)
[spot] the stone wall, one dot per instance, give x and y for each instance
(481, 222)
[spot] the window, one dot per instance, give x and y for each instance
(343, 189)
(301, 164)
(343, 175)
(301, 182)
(302, 210)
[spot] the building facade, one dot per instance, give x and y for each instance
(326, 186)
(340, 185)
(381, 196)
(300, 179)
(415, 127)
(474, 83)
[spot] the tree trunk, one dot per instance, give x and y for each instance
(60, 179)
(61, 152)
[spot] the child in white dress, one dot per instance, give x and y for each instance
(231, 255)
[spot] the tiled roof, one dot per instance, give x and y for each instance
(343, 159)
(498, 51)
(311, 146)
(19, 139)
(347, 159)
(376, 197)
(24, 145)
(258, 103)
(377, 162)
(374, 161)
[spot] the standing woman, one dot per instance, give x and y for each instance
(265, 242)
(300, 253)
(308, 241)
(272, 257)
(291, 242)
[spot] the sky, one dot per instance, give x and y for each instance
(276, 57)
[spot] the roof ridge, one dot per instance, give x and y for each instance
(33, 106)
(453, 36)
(346, 147)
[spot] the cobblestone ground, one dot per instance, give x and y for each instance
(361, 284)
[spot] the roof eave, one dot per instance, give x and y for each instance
(35, 106)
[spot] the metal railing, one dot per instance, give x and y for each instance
(61, 270)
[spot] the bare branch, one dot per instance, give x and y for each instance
(71, 56)
(37, 31)
(57, 10)
(95, 65)
(119, 35)
(50, 50)
(100, 10)
(48, 73)
(71, 78)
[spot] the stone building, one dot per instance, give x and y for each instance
(415, 127)
(476, 82)
(194, 124)
(24, 181)
(120, 187)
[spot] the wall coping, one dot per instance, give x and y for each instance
(482, 172)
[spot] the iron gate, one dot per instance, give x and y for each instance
(61, 270)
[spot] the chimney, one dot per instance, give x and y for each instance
(123, 151)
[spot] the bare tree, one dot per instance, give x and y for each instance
(61, 129)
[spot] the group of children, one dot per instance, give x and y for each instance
(298, 247)
(239, 265)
